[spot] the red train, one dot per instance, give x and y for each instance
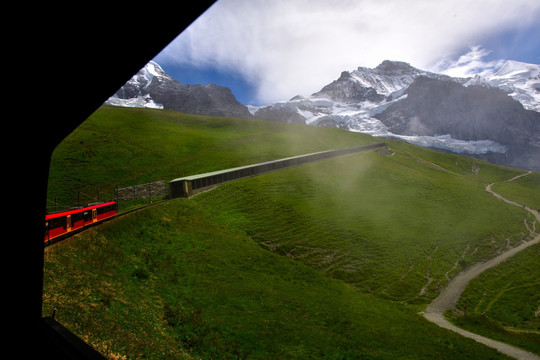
(64, 222)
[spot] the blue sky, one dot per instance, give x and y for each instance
(272, 50)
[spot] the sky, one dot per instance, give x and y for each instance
(273, 50)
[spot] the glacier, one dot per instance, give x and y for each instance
(141, 101)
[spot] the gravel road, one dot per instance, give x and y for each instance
(449, 296)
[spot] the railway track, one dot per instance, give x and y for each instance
(191, 185)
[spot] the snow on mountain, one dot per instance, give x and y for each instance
(515, 68)
(145, 76)
(388, 80)
(132, 94)
(352, 101)
(141, 101)
(151, 87)
(521, 81)
(359, 98)
(478, 80)
(356, 98)
(390, 76)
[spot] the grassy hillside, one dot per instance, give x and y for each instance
(171, 283)
(328, 260)
(504, 302)
(519, 190)
(390, 225)
(129, 146)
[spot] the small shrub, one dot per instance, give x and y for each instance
(141, 273)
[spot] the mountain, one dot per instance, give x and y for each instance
(521, 81)
(474, 113)
(375, 85)
(151, 87)
(433, 107)
(495, 118)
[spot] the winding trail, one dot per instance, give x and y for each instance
(449, 296)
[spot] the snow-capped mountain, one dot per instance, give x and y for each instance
(521, 81)
(135, 92)
(151, 87)
(473, 114)
(495, 118)
(387, 79)
(353, 99)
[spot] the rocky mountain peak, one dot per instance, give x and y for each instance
(152, 87)
(345, 75)
(395, 66)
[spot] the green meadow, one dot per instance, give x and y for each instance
(504, 302)
(129, 146)
(519, 190)
(385, 224)
(331, 260)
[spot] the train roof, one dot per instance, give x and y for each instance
(77, 210)
(199, 176)
(204, 175)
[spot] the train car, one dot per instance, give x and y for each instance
(60, 223)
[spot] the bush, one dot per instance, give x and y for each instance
(141, 274)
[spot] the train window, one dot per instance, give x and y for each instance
(57, 222)
(87, 216)
(105, 209)
(76, 217)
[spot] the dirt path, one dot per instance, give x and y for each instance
(449, 296)
(517, 177)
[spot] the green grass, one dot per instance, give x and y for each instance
(169, 282)
(326, 260)
(525, 190)
(129, 146)
(504, 302)
(377, 222)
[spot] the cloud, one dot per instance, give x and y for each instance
(469, 64)
(290, 47)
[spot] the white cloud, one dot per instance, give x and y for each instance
(290, 47)
(470, 64)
